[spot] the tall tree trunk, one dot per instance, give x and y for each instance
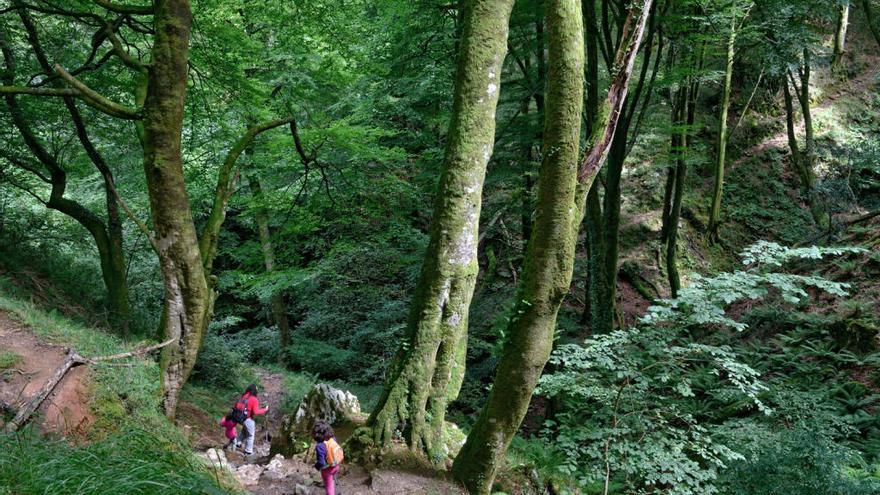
(807, 162)
(872, 20)
(279, 308)
(187, 301)
(840, 35)
(429, 368)
(549, 261)
(715, 210)
(679, 147)
(562, 190)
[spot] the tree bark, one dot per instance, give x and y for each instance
(679, 147)
(562, 190)
(279, 308)
(429, 368)
(872, 20)
(188, 302)
(805, 162)
(549, 261)
(718, 190)
(839, 47)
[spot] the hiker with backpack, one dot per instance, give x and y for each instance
(243, 413)
(329, 455)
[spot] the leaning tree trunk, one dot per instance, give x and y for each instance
(562, 190)
(429, 368)
(279, 308)
(718, 191)
(187, 300)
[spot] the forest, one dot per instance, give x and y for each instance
(594, 247)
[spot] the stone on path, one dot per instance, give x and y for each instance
(323, 402)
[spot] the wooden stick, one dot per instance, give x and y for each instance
(72, 360)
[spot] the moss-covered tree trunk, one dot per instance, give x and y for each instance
(721, 151)
(187, 300)
(279, 308)
(679, 147)
(562, 191)
(429, 368)
(107, 234)
(805, 160)
(549, 260)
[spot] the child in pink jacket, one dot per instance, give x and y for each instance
(229, 426)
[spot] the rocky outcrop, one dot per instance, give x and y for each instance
(323, 402)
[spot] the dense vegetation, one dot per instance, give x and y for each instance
(628, 246)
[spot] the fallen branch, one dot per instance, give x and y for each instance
(72, 360)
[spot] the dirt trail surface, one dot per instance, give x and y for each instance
(265, 475)
(66, 410)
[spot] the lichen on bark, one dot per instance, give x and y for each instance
(429, 368)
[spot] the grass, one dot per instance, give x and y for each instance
(133, 461)
(8, 359)
(131, 449)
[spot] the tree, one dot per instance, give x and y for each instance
(106, 233)
(840, 34)
(872, 20)
(736, 12)
(185, 258)
(562, 191)
(603, 213)
(429, 368)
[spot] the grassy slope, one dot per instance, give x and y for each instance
(132, 449)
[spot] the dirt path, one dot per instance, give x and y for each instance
(858, 87)
(67, 409)
(265, 475)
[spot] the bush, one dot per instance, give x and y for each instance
(320, 358)
(219, 365)
(799, 461)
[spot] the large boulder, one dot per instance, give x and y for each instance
(323, 402)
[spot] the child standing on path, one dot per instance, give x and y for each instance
(228, 425)
(329, 455)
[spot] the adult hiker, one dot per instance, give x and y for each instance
(243, 412)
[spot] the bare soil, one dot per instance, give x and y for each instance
(67, 410)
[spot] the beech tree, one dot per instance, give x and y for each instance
(185, 256)
(562, 191)
(429, 368)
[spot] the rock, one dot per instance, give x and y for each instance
(277, 469)
(326, 403)
(323, 402)
(302, 490)
(216, 458)
(248, 474)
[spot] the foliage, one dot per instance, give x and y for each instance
(131, 461)
(649, 407)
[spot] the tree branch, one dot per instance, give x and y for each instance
(96, 100)
(27, 90)
(125, 9)
(613, 107)
(226, 184)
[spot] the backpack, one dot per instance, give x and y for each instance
(334, 453)
(239, 410)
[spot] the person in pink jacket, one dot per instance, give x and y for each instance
(229, 425)
(252, 406)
